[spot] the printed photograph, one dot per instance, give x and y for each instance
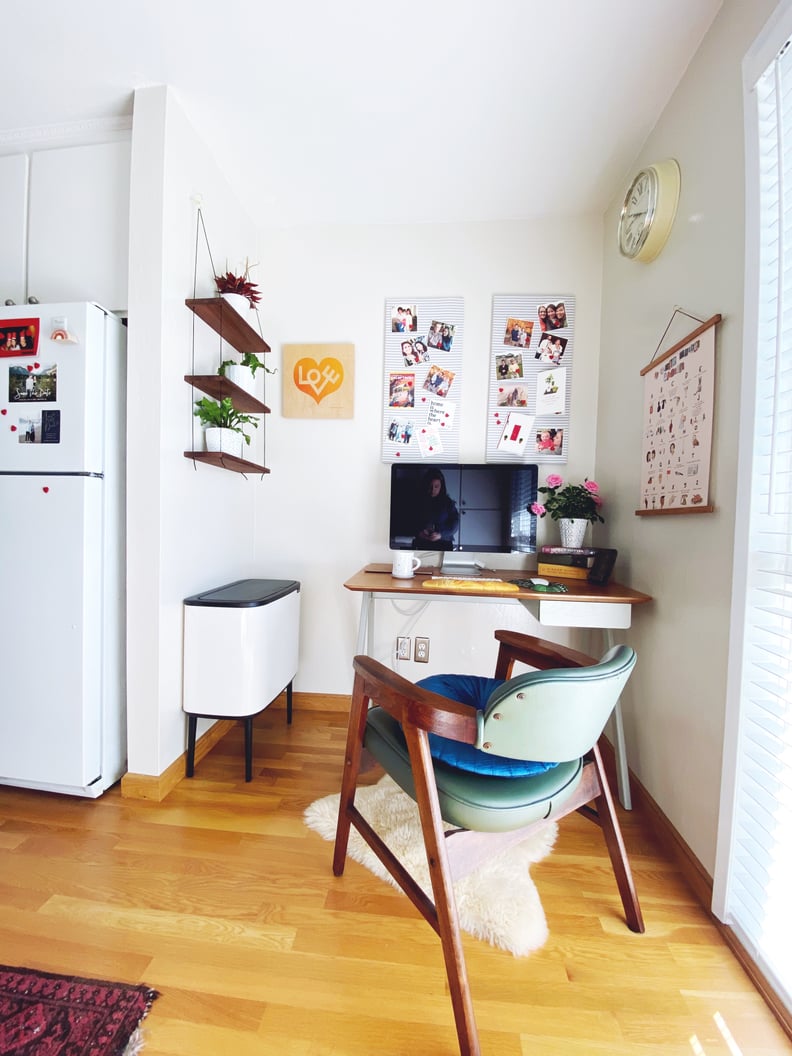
(414, 351)
(402, 390)
(552, 316)
(551, 349)
(29, 430)
(400, 432)
(33, 385)
(509, 366)
(18, 337)
(513, 396)
(438, 381)
(440, 336)
(550, 441)
(518, 333)
(403, 319)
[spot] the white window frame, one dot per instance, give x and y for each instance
(760, 56)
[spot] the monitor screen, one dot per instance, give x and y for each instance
(472, 508)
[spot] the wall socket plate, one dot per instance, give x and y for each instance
(421, 654)
(402, 648)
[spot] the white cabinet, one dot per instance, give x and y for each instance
(13, 224)
(68, 208)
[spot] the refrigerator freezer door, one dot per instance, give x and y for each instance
(54, 397)
(51, 627)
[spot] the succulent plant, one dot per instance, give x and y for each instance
(231, 283)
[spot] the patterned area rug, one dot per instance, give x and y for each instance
(498, 902)
(42, 1014)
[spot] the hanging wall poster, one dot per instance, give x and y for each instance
(422, 378)
(678, 404)
(530, 377)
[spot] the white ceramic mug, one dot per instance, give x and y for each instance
(404, 564)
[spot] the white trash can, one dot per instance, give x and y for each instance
(241, 645)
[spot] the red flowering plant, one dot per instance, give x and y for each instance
(569, 500)
(231, 283)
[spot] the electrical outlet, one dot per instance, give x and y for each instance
(402, 648)
(421, 655)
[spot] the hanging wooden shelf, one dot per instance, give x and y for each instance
(225, 461)
(228, 323)
(218, 387)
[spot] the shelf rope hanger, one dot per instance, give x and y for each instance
(201, 226)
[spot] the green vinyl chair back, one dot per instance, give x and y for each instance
(555, 715)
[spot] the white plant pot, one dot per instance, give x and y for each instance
(241, 376)
(572, 530)
(239, 303)
(227, 441)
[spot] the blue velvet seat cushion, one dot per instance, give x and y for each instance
(474, 690)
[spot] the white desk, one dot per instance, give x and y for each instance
(584, 605)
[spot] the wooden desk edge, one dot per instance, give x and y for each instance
(378, 580)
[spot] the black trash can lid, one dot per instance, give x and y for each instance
(245, 593)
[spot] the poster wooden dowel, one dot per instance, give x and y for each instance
(675, 510)
(681, 344)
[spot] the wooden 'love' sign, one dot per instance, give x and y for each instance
(318, 381)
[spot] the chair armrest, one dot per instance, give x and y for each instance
(536, 653)
(413, 705)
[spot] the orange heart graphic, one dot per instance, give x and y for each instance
(318, 380)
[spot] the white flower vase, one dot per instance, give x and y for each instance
(238, 302)
(573, 530)
(227, 441)
(241, 376)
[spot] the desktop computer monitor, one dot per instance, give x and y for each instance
(463, 508)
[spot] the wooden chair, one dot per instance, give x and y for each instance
(553, 714)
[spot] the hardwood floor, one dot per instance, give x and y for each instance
(221, 899)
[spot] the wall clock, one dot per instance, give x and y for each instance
(648, 212)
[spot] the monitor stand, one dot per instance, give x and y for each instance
(452, 563)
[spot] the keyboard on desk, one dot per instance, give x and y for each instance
(471, 584)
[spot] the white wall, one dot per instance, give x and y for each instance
(188, 529)
(675, 712)
(323, 513)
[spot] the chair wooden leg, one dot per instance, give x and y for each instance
(354, 750)
(609, 823)
(443, 891)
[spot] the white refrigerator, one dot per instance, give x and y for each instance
(62, 552)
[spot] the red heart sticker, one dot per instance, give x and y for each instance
(37, 366)
(30, 369)
(398, 454)
(13, 429)
(500, 389)
(45, 489)
(4, 411)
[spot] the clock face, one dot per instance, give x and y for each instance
(637, 214)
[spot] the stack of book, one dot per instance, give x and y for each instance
(565, 562)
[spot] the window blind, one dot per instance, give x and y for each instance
(754, 900)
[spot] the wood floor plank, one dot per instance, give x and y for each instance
(221, 898)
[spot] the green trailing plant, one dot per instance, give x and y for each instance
(223, 415)
(231, 283)
(249, 359)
